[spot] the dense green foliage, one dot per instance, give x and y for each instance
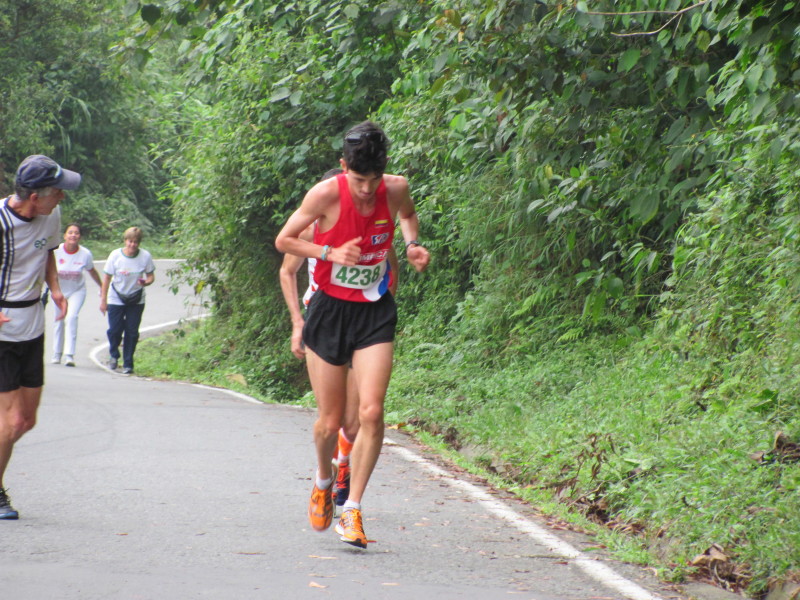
(608, 190)
(62, 97)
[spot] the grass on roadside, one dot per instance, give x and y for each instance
(195, 351)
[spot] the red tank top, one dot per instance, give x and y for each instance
(369, 280)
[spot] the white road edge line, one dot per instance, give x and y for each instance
(591, 566)
(557, 546)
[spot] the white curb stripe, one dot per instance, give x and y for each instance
(557, 546)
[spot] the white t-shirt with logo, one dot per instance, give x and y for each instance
(125, 271)
(71, 267)
(24, 247)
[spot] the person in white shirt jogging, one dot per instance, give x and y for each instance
(30, 226)
(127, 272)
(72, 260)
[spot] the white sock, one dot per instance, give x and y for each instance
(324, 484)
(350, 505)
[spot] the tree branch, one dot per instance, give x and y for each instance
(676, 14)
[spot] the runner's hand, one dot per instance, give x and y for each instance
(297, 343)
(61, 304)
(419, 257)
(3, 319)
(346, 254)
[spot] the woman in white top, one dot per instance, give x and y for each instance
(127, 272)
(72, 260)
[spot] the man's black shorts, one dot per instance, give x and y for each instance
(22, 364)
(335, 328)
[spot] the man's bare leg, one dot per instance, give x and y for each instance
(329, 383)
(373, 369)
(351, 422)
(347, 436)
(17, 417)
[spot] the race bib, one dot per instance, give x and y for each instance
(360, 277)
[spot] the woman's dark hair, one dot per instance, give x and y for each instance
(80, 229)
(365, 147)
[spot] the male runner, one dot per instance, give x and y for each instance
(30, 228)
(350, 425)
(352, 317)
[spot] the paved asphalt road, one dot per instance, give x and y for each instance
(137, 489)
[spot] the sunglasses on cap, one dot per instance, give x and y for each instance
(372, 136)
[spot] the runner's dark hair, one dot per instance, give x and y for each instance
(365, 149)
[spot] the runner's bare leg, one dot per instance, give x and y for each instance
(17, 416)
(351, 423)
(373, 369)
(329, 383)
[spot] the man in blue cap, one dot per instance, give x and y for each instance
(30, 228)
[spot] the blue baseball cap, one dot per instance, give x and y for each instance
(39, 171)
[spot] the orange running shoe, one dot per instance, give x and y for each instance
(320, 508)
(351, 529)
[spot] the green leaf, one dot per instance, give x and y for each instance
(701, 73)
(441, 61)
(140, 57)
(437, 85)
(386, 14)
(645, 208)
(351, 10)
(753, 77)
(151, 13)
(776, 147)
(130, 8)
(702, 41)
(615, 287)
(768, 77)
(671, 75)
(280, 94)
(697, 20)
(453, 17)
(677, 127)
(458, 122)
(295, 98)
(758, 106)
(629, 60)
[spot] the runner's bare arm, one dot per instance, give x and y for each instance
(95, 276)
(395, 264)
(104, 292)
(417, 255)
(288, 278)
(319, 203)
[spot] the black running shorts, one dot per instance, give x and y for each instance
(335, 328)
(22, 364)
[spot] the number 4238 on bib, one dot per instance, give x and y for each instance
(360, 277)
